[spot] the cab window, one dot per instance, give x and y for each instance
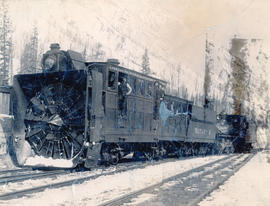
(140, 86)
(112, 83)
(132, 83)
(149, 89)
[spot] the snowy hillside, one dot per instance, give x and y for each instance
(112, 30)
(123, 30)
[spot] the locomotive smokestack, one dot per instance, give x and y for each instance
(54, 46)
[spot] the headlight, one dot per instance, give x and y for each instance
(49, 62)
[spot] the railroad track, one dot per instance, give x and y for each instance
(15, 170)
(187, 188)
(88, 175)
(23, 175)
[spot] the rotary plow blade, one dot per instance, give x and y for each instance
(50, 110)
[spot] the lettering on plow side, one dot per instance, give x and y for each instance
(164, 112)
(201, 131)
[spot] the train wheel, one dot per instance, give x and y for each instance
(114, 159)
(152, 152)
(162, 151)
(110, 154)
(181, 152)
(202, 150)
(148, 156)
(54, 122)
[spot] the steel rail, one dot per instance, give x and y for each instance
(23, 177)
(199, 198)
(15, 170)
(21, 193)
(123, 199)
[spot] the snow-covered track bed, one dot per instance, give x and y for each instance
(23, 175)
(20, 170)
(28, 179)
(187, 188)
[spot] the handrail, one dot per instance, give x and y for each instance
(5, 89)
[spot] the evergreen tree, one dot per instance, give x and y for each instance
(145, 63)
(30, 54)
(41, 51)
(98, 54)
(84, 53)
(178, 70)
(5, 44)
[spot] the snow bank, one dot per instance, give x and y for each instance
(39, 161)
(249, 186)
(6, 122)
(5, 132)
(262, 138)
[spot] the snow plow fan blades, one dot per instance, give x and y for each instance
(49, 108)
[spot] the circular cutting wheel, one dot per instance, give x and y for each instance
(54, 122)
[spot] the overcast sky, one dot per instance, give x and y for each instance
(179, 26)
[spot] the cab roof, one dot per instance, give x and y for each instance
(127, 71)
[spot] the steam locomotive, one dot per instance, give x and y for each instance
(74, 110)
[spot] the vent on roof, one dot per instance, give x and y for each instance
(113, 61)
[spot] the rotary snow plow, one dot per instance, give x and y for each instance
(50, 111)
(51, 108)
(88, 112)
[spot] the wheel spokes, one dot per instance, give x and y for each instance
(54, 122)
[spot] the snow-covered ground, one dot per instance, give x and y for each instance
(108, 187)
(39, 161)
(5, 133)
(250, 186)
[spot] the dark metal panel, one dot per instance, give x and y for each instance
(139, 121)
(20, 104)
(110, 119)
(148, 107)
(77, 59)
(172, 138)
(140, 105)
(111, 100)
(198, 113)
(97, 107)
(210, 115)
(143, 137)
(202, 114)
(147, 121)
(201, 130)
(173, 128)
(131, 103)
